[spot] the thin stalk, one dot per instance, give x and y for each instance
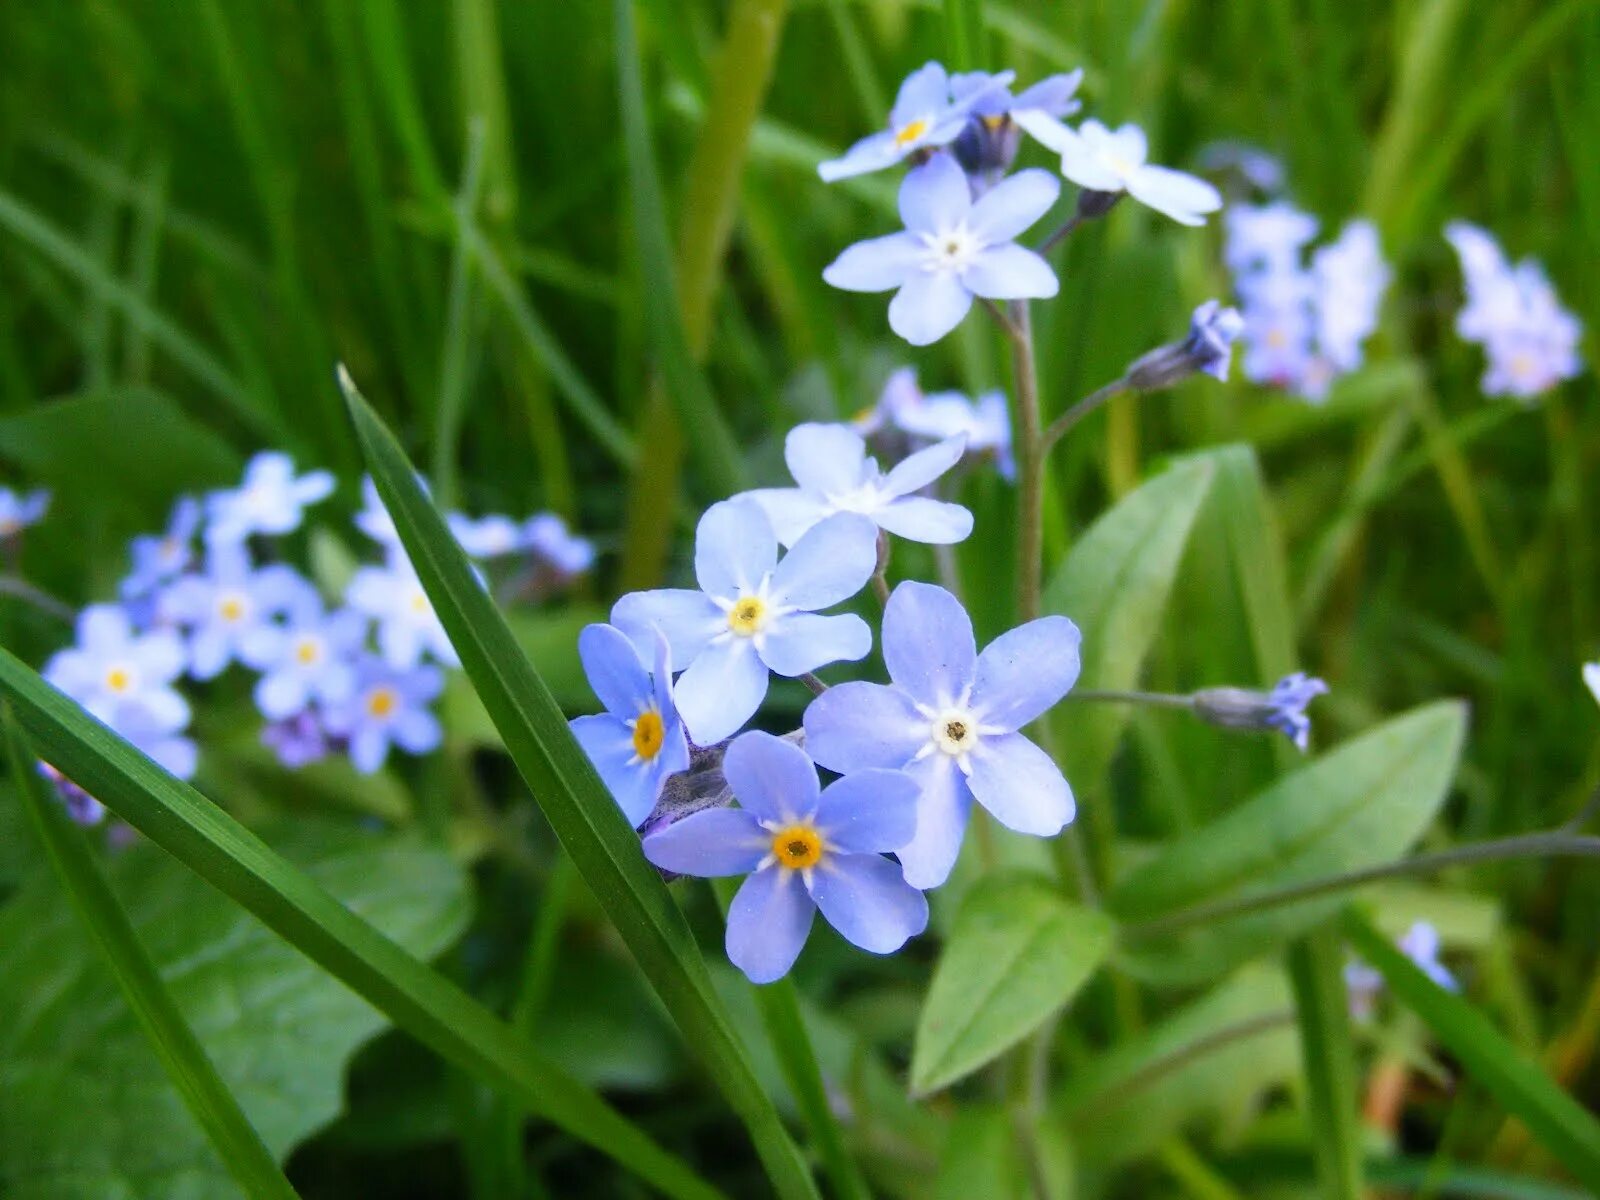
(21, 589)
(1153, 699)
(458, 321)
(1030, 466)
(880, 573)
(1062, 232)
(1067, 420)
(816, 685)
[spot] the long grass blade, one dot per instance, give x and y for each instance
(1323, 1012)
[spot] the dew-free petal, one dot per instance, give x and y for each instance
(866, 898)
(1020, 785)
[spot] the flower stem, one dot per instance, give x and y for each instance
(880, 573)
(1064, 423)
(1030, 465)
(1062, 232)
(1153, 699)
(816, 685)
(21, 589)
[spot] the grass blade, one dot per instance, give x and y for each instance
(1315, 969)
(195, 831)
(183, 1057)
(580, 810)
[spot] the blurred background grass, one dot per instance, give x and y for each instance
(203, 206)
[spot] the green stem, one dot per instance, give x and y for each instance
(21, 589)
(1063, 424)
(1153, 699)
(1323, 1013)
(1030, 465)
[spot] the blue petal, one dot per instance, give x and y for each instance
(924, 92)
(919, 519)
(609, 745)
(792, 511)
(1025, 671)
(1020, 785)
(865, 897)
(1180, 196)
(734, 548)
(721, 690)
(688, 619)
(877, 264)
(802, 642)
(927, 644)
(615, 673)
(1009, 272)
(1012, 205)
(710, 843)
(871, 153)
(825, 458)
(767, 924)
(772, 778)
(942, 812)
(935, 196)
(828, 565)
(917, 471)
(858, 725)
(869, 812)
(928, 305)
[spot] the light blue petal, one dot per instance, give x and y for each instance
(928, 305)
(1009, 272)
(771, 778)
(803, 642)
(1013, 205)
(917, 471)
(369, 746)
(1182, 197)
(928, 645)
(829, 564)
(721, 690)
(925, 91)
(417, 731)
(615, 672)
(919, 519)
(942, 812)
(662, 679)
(281, 694)
(1053, 95)
(877, 264)
(866, 898)
(767, 924)
(1020, 785)
(790, 510)
(858, 725)
(609, 745)
(688, 619)
(1025, 671)
(935, 197)
(209, 652)
(734, 548)
(709, 844)
(871, 153)
(869, 812)
(825, 458)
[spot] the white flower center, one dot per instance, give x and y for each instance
(955, 732)
(952, 248)
(866, 497)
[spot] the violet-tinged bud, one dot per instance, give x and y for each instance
(1208, 348)
(1282, 709)
(988, 144)
(1093, 204)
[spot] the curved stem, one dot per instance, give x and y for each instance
(21, 589)
(816, 685)
(1153, 699)
(1062, 232)
(1064, 423)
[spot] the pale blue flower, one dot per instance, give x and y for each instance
(985, 423)
(1265, 239)
(835, 474)
(804, 848)
(1208, 348)
(924, 116)
(1254, 165)
(951, 719)
(1282, 709)
(490, 536)
(226, 605)
(989, 141)
(1421, 945)
(374, 519)
(298, 740)
(900, 393)
(271, 500)
(952, 249)
(555, 547)
(639, 740)
(1351, 278)
(388, 707)
(407, 626)
(1289, 699)
(158, 559)
(1110, 161)
(754, 613)
(309, 659)
(18, 510)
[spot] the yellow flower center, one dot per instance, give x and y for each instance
(797, 847)
(648, 734)
(994, 123)
(1277, 339)
(119, 679)
(419, 602)
(231, 608)
(307, 652)
(382, 702)
(747, 616)
(910, 133)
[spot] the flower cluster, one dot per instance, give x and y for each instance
(1514, 314)
(1304, 323)
(1421, 945)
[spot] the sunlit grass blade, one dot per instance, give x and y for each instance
(195, 831)
(1562, 1125)
(580, 810)
(1322, 1009)
(182, 1056)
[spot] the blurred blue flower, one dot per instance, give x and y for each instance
(835, 475)
(310, 658)
(1351, 278)
(952, 249)
(803, 849)
(924, 116)
(18, 510)
(228, 603)
(554, 546)
(1208, 348)
(900, 392)
(81, 807)
(271, 500)
(158, 559)
(754, 613)
(407, 626)
(1421, 945)
(1110, 161)
(639, 740)
(298, 740)
(984, 423)
(490, 536)
(388, 707)
(950, 718)
(374, 519)
(1266, 239)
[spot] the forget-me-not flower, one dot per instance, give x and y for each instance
(18, 510)
(900, 393)
(1421, 945)
(924, 116)
(804, 848)
(835, 474)
(493, 535)
(1283, 709)
(952, 249)
(754, 613)
(1209, 347)
(310, 658)
(988, 142)
(556, 547)
(388, 707)
(1266, 239)
(271, 500)
(407, 626)
(1110, 161)
(984, 423)
(226, 605)
(638, 741)
(158, 559)
(298, 740)
(951, 719)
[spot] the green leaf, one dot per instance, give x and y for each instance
(1562, 1125)
(549, 638)
(1361, 805)
(184, 823)
(1018, 952)
(983, 1157)
(1115, 584)
(211, 1105)
(591, 827)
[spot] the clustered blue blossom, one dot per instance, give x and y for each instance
(1421, 944)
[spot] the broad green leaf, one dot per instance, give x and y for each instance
(85, 1111)
(1115, 585)
(1562, 1125)
(1019, 951)
(176, 817)
(591, 827)
(1361, 805)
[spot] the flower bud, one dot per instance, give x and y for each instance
(1208, 348)
(1282, 709)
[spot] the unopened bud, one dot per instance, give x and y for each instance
(1212, 332)
(1281, 710)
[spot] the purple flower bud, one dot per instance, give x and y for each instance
(1282, 709)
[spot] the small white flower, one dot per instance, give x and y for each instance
(1105, 160)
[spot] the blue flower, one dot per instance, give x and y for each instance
(272, 500)
(1209, 347)
(924, 115)
(228, 604)
(555, 547)
(158, 559)
(388, 707)
(1110, 161)
(1288, 699)
(491, 536)
(952, 249)
(311, 658)
(298, 740)
(1282, 709)
(754, 613)
(18, 510)
(804, 849)
(950, 718)
(830, 464)
(1421, 945)
(81, 807)
(408, 628)
(374, 519)
(989, 141)
(984, 423)
(639, 740)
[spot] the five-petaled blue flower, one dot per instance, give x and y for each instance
(804, 849)
(754, 613)
(230, 602)
(388, 707)
(830, 464)
(952, 249)
(924, 115)
(408, 628)
(158, 559)
(271, 500)
(638, 741)
(310, 658)
(951, 719)
(1113, 161)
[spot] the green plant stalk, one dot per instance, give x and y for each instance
(459, 314)
(1030, 464)
(182, 1056)
(481, 83)
(1322, 1010)
(963, 20)
(203, 837)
